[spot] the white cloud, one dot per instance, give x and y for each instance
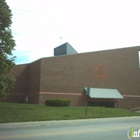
(88, 25)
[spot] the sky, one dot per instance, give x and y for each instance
(88, 25)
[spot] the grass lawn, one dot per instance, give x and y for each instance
(15, 112)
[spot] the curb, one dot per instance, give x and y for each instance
(60, 122)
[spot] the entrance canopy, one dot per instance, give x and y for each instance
(103, 93)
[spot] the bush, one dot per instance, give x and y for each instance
(57, 102)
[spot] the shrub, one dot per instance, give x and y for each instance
(57, 102)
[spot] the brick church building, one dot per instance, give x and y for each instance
(109, 78)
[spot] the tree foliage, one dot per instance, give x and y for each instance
(7, 44)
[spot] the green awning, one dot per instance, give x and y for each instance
(103, 93)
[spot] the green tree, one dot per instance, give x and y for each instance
(7, 44)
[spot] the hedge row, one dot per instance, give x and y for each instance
(57, 102)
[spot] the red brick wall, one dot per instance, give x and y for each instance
(70, 74)
(27, 82)
(19, 93)
(34, 77)
(34, 98)
(129, 103)
(15, 98)
(34, 82)
(21, 74)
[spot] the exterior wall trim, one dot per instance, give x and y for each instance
(58, 93)
(132, 96)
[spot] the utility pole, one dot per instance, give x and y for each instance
(86, 109)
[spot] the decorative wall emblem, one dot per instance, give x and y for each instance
(100, 72)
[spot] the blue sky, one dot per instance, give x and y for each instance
(88, 25)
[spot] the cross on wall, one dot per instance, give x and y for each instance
(100, 72)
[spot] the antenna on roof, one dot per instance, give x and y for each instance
(60, 40)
